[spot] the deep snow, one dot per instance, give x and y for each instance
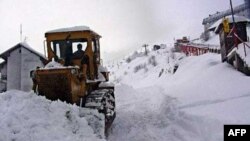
(28, 117)
(192, 104)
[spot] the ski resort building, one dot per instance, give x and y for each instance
(15, 69)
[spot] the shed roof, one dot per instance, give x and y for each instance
(5, 54)
(217, 25)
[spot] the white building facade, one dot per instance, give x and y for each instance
(18, 62)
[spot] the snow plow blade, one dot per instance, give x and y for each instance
(59, 84)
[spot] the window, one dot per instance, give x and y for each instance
(95, 45)
(58, 50)
(74, 46)
(63, 48)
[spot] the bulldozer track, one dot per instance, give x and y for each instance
(104, 101)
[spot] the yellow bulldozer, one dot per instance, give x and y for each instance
(73, 71)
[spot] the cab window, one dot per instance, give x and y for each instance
(64, 49)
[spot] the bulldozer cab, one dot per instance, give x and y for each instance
(62, 44)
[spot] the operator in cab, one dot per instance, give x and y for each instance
(79, 53)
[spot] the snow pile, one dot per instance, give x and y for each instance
(28, 117)
(53, 64)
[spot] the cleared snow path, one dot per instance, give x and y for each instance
(148, 114)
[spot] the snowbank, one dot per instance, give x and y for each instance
(53, 64)
(204, 81)
(28, 117)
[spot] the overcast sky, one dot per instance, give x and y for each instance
(124, 24)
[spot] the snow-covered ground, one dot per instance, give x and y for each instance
(192, 104)
(153, 103)
(28, 117)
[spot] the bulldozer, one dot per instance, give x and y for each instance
(80, 80)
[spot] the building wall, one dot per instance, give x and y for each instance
(14, 70)
(29, 62)
(19, 64)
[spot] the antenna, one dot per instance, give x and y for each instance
(21, 33)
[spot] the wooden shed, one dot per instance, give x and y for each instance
(227, 42)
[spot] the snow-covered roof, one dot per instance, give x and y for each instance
(5, 54)
(237, 19)
(70, 29)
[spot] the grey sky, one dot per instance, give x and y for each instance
(124, 24)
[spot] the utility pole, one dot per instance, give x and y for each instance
(21, 32)
(234, 26)
(145, 45)
(232, 11)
